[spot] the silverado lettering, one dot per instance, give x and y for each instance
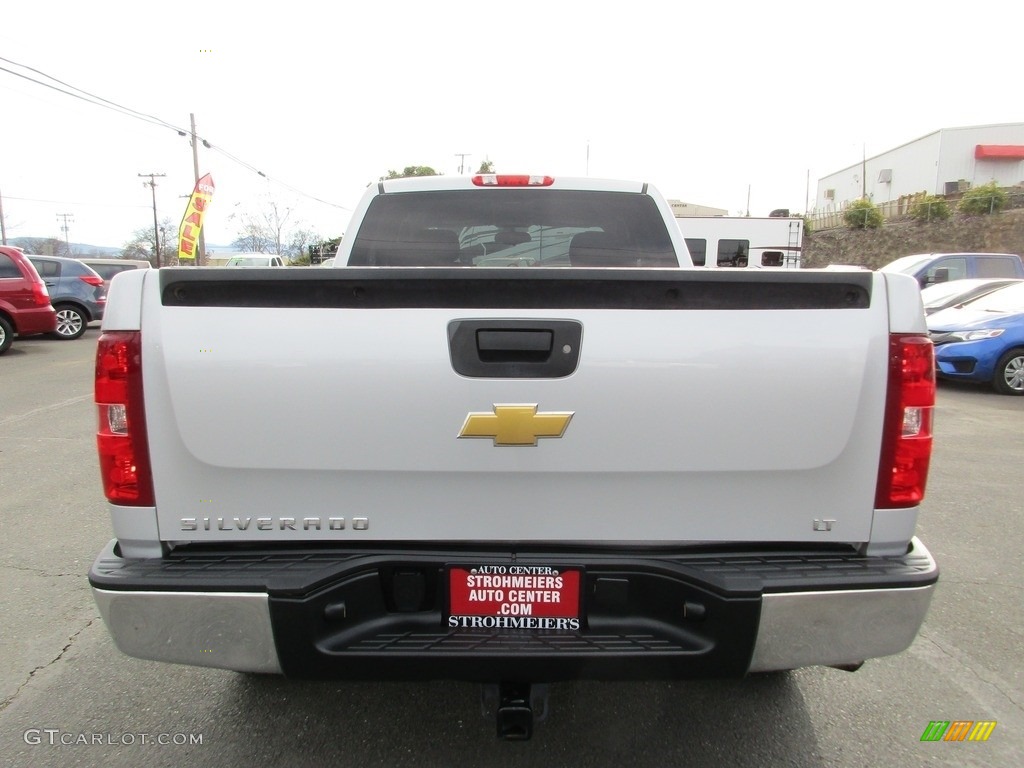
(189, 524)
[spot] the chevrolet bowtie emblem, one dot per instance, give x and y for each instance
(516, 424)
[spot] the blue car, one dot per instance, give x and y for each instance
(76, 291)
(983, 341)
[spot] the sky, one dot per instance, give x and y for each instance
(739, 105)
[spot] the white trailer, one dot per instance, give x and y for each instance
(743, 241)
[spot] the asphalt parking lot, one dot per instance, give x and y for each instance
(67, 697)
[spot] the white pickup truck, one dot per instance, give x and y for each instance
(590, 460)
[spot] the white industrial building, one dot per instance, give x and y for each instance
(945, 162)
(679, 208)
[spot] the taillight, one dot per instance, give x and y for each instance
(40, 295)
(91, 279)
(121, 433)
(907, 431)
(509, 180)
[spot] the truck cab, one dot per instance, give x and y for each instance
(932, 268)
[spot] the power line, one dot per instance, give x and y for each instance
(72, 202)
(113, 107)
(141, 115)
(99, 101)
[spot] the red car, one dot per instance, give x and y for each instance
(25, 307)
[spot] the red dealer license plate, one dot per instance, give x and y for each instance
(514, 597)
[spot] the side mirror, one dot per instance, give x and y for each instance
(941, 275)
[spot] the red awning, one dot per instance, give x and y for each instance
(999, 152)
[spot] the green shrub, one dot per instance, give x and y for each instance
(930, 208)
(862, 214)
(988, 198)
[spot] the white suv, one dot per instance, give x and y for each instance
(255, 260)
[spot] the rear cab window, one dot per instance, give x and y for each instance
(513, 228)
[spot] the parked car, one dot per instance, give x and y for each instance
(25, 308)
(944, 295)
(107, 268)
(931, 268)
(255, 260)
(76, 291)
(983, 340)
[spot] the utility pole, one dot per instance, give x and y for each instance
(3, 226)
(864, 172)
(65, 229)
(156, 227)
(462, 160)
(201, 253)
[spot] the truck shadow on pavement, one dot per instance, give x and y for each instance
(758, 721)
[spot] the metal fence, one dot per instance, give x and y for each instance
(895, 209)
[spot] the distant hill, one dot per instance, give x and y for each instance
(48, 246)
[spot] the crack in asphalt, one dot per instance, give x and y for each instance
(71, 641)
(40, 572)
(44, 409)
(961, 659)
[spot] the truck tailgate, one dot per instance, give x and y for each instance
(696, 407)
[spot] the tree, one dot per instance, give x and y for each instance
(141, 246)
(300, 238)
(253, 237)
(272, 227)
(486, 167)
(862, 214)
(411, 170)
(263, 230)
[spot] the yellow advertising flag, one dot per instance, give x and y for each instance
(192, 221)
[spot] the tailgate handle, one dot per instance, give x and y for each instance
(503, 348)
(496, 345)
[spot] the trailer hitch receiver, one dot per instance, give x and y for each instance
(515, 704)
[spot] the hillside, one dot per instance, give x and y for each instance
(996, 233)
(48, 246)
